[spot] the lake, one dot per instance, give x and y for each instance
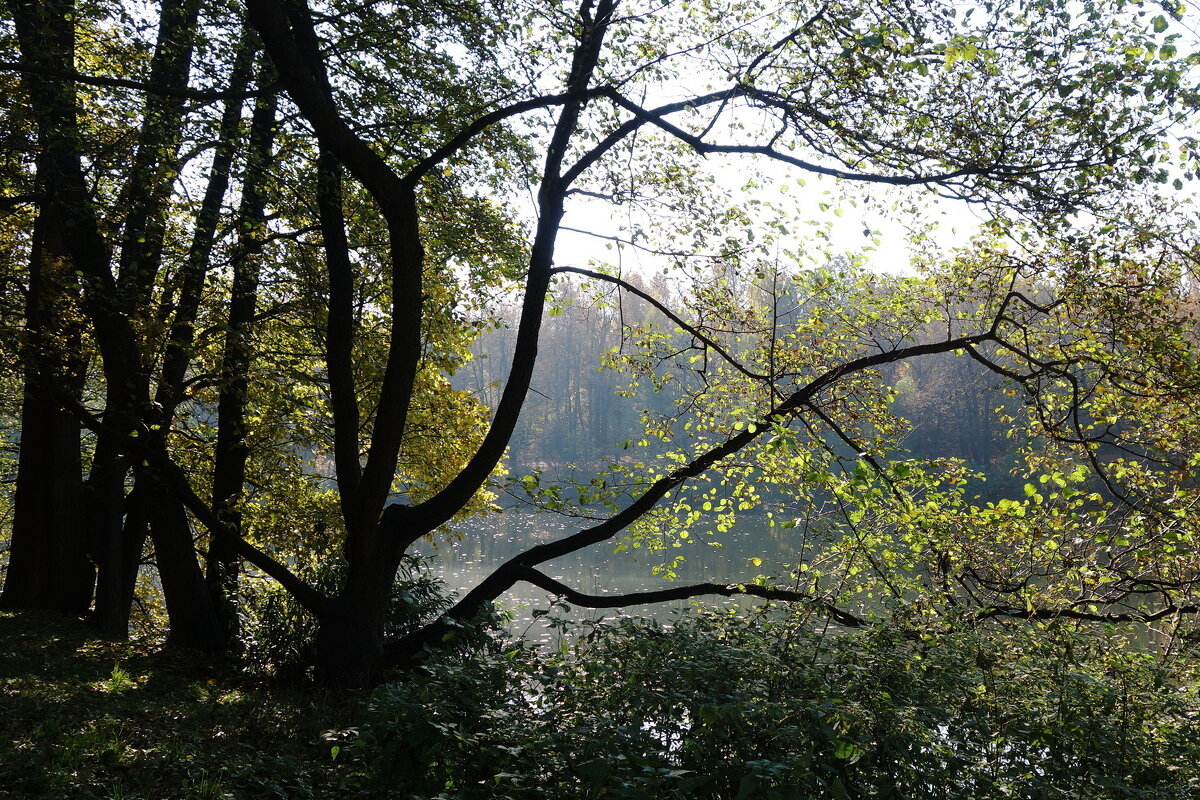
(490, 541)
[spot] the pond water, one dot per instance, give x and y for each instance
(488, 542)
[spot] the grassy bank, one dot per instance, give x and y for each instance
(84, 718)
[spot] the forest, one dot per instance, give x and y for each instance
(583, 403)
(294, 290)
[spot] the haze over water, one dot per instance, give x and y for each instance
(490, 541)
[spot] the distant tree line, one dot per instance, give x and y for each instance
(584, 402)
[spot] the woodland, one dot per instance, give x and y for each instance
(294, 288)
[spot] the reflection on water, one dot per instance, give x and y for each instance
(490, 541)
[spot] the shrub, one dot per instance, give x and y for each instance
(277, 635)
(728, 706)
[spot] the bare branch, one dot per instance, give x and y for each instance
(684, 592)
(668, 313)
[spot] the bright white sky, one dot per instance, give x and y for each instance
(863, 208)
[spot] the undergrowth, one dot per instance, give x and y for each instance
(716, 706)
(82, 718)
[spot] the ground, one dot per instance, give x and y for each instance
(86, 718)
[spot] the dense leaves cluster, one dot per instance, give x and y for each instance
(771, 706)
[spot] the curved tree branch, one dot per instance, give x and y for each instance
(481, 124)
(1014, 612)
(666, 312)
(551, 205)
(288, 35)
(684, 592)
(503, 577)
(657, 117)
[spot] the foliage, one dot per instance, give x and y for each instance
(272, 377)
(298, 345)
(277, 635)
(773, 705)
(767, 704)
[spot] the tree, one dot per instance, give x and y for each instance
(415, 123)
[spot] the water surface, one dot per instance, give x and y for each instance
(490, 541)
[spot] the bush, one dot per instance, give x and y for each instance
(725, 706)
(277, 635)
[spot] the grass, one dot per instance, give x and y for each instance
(81, 718)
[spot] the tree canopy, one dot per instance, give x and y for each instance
(258, 245)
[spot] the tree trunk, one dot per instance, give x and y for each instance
(106, 510)
(48, 564)
(155, 162)
(193, 618)
(350, 640)
(229, 460)
(116, 539)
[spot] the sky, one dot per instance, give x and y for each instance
(865, 217)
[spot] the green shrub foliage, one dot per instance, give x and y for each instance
(277, 636)
(722, 706)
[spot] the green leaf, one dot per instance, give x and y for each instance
(847, 751)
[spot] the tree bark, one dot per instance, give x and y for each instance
(116, 541)
(48, 565)
(106, 544)
(155, 163)
(193, 618)
(350, 640)
(229, 464)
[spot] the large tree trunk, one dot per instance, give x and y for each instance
(350, 641)
(190, 611)
(106, 503)
(48, 566)
(350, 645)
